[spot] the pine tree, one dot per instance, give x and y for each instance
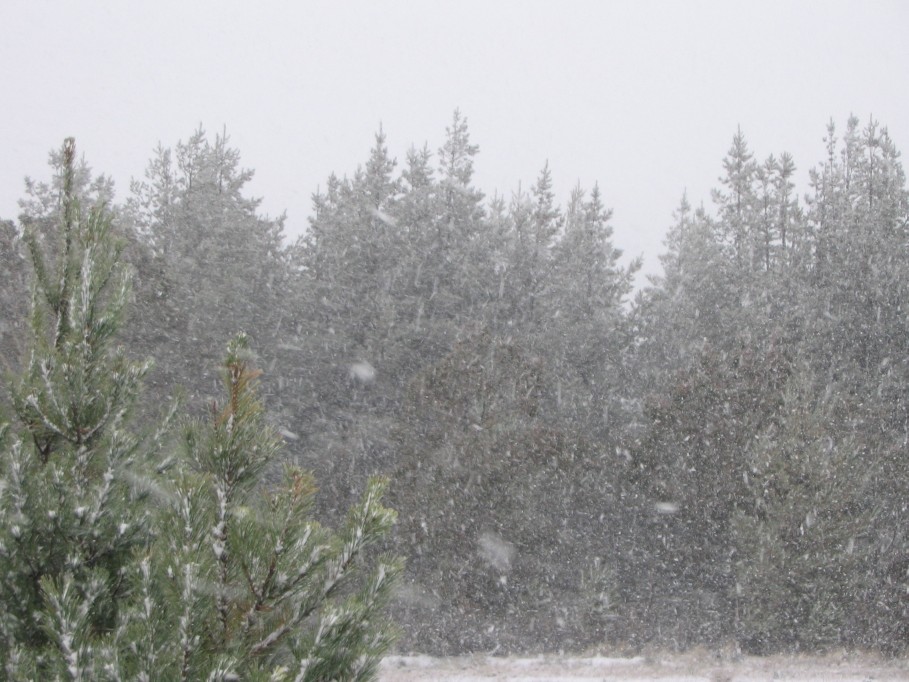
(856, 340)
(802, 566)
(457, 281)
(219, 261)
(243, 582)
(536, 220)
(586, 290)
(352, 310)
(736, 204)
(70, 516)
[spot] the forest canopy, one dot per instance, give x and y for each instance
(717, 458)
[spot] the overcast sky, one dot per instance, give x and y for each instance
(642, 97)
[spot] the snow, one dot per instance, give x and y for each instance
(697, 667)
(288, 434)
(384, 217)
(361, 372)
(496, 551)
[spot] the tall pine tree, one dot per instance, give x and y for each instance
(71, 518)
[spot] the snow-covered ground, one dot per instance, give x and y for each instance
(682, 668)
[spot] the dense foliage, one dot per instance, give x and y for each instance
(126, 554)
(718, 459)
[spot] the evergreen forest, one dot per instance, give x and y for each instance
(719, 458)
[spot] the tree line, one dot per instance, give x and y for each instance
(717, 458)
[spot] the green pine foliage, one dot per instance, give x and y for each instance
(249, 582)
(130, 556)
(70, 519)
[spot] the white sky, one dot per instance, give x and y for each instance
(643, 97)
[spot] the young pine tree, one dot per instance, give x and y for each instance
(245, 585)
(69, 519)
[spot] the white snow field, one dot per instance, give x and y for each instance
(666, 668)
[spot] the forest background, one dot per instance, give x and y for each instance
(719, 457)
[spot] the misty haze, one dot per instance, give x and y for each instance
(441, 423)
